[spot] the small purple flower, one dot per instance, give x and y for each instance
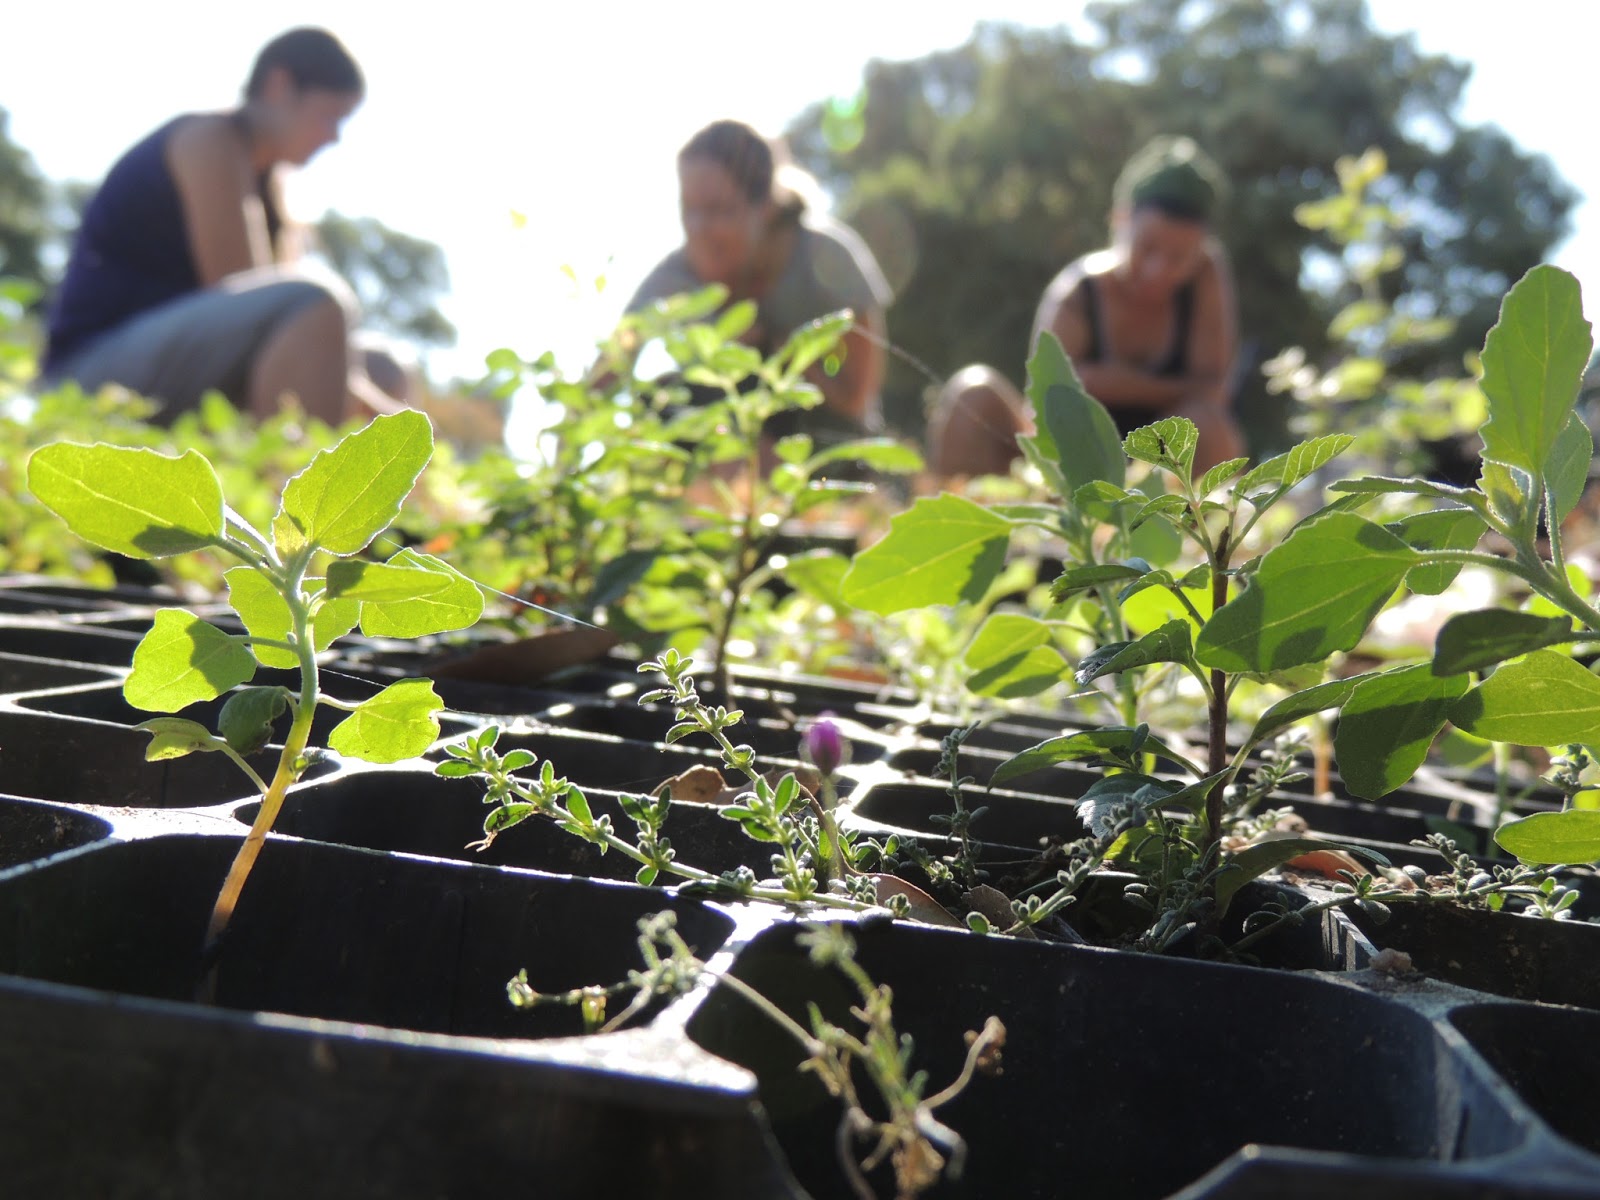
(825, 747)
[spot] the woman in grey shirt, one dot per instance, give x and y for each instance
(743, 231)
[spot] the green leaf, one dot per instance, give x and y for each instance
(942, 551)
(503, 818)
(1471, 641)
(1100, 500)
(245, 721)
(1282, 472)
(1377, 485)
(1078, 579)
(1509, 495)
(1170, 643)
(617, 577)
(814, 341)
(1304, 704)
(1219, 475)
(264, 611)
(184, 660)
(1011, 656)
(396, 724)
(1312, 595)
(880, 454)
(175, 737)
(457, 605)
(1551, 839)
(1118, 745)
(353, 492)
(578, 806)
(1533, 361)
(334, 619)
(1255, 861)
(353, 579)
(1546, 699)
(133, 502)
(1447, 529)
(1567, 472)
(1388, 724)
(1167, 443)
(1073, 429)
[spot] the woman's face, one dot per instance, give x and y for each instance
(1160, 253)
(302, 120)
(721, 225)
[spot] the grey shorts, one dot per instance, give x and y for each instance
(199, 342)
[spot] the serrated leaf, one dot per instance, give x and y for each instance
(813, 341)
(175, 737)
(1388, 724)
(1377, 485)
(519, 760)
(1533, 361)
(578, 806)
(1551, 839)
(1168, 506)
(133, 502)
(396, 724)
(1169, 643)
(1546, 699)
(457, 605)
(1566, 473)
(353, 492)
(1508, 492)
(1282, 472)
(1255, 861)
(1220, 474)
(1101, 499)
(264, 611)
(1167, 443)
(184, 660)
(352, 579)
(942, 551)
(1447, 529)
(1073, 429)
(1310, 596)
(1304, 704)
(1011, 656)
(1472, 641)
(245, 721)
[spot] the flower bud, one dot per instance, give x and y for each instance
(824, 746)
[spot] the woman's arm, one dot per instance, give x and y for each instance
(1209, 355)
(226, 224)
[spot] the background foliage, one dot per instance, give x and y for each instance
(976, 174)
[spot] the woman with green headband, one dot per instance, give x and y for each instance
(1149, 322)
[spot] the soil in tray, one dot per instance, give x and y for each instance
(323, 931)
(31, 830)
(1551, 1056)
(1103, 1050)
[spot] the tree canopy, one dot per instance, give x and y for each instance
(24, 211)
(398, 278)
(975, 174)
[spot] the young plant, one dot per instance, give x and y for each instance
(295, 591)
(898, 1124)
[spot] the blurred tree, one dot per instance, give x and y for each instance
(397, 277)
(977, 173)
(24, 211)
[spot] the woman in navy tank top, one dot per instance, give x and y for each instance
(1150, 324)
(180, 279)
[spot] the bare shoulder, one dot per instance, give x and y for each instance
(206, 140)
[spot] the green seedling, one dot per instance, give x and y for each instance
(295, 591)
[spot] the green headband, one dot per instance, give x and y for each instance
(1174, 175)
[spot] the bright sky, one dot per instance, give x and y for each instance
(572, 114)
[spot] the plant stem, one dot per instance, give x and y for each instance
(1217, 757)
